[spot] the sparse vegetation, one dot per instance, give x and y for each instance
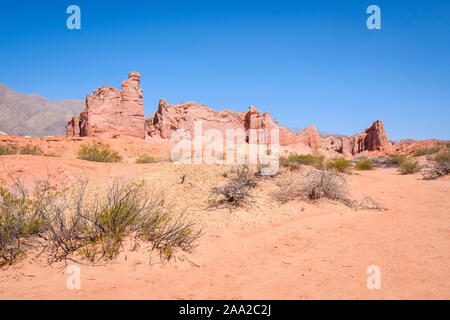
(18, 220)
(409, 166)
(145, 159)
(328, 184)
(237, 191)
(364, 164)
(98, 153)
(338, 164)
(8, 149)
(439, 166)
(396, 160)
(31, 149)
(426, 151)
(294, 160)
(74, 227)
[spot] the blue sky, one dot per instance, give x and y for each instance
(303, 61)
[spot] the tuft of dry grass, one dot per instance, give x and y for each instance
(145, 159)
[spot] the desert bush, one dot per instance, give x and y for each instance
(8, 149)
(145, 159)
(395, 160)
(364, 164)
(18, 220)
(31, 149)
(74, 227)
(315, 185)
(338, 164)
(409, 166)
(237, 191)
(98, 153)
(439, 166)
(294, 160)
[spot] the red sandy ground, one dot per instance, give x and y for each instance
(295, 250)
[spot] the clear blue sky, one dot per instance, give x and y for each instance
(303, 61)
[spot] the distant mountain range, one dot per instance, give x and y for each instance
(322, 134)
(33, 115)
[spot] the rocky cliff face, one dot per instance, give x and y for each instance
(110, 113)
(373, 138)
(169, 118)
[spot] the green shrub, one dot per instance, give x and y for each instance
(31, 149)
(18, 220)
(409, 166)
(338, 164)
(294, 160)
(442, 156)
(364, 164)
(74, 225)
(145, 159)
(98, 153)
(8, 149)
(396, 159)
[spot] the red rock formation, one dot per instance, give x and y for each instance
(169, 118)
(373, 138)
(110, 113)
(310, 137)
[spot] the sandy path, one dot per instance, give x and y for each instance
(319, 253)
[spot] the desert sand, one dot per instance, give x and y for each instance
(295, 250)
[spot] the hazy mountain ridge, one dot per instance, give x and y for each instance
(34, 115)
(322, 134)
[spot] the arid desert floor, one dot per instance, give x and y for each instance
(273, 250)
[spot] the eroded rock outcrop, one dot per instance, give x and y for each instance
(169, 118)
(373, 138)
(110, 113)
(310, 137)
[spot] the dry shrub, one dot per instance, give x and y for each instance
(237, 191)
(326, 184)
(98, 153)
(8, 149)
(31, 149)
(439, 166)
(18, 220)
(75, 227)
(145, 159)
